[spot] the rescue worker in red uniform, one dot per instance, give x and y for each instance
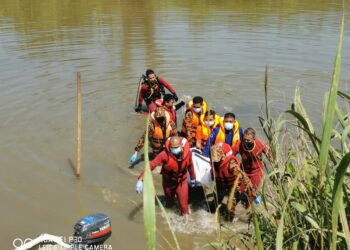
(168, 104)
(227, 171)
(176, 162)
(152, 88)
(251, 150)
(160, 129)
(191, 120)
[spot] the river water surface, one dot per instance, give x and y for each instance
(217, 49)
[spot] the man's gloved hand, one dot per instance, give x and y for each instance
(257, 200)
(175, 97)
(193, 183)
(139, 185)
(138, 108)
(133, 158)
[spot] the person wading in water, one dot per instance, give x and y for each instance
(152, 88)
(176, 162)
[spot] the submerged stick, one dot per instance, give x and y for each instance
(78, 152)
(266, 86)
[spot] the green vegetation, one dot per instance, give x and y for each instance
(308, 186)
(149, 210)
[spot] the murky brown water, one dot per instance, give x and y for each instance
(217, 49)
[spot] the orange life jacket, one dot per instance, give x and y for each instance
(158, 137)
(203, 132)
(193, 124)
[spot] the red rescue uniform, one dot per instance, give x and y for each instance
(171, 111)
(252, 163)
(151, 94)
(228, 171)
(224, 177)
(175, 172)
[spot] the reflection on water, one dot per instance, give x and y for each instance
(217, 49)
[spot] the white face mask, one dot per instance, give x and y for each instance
(197, 110)
(209, 123)
(228, 125)
(175, 151)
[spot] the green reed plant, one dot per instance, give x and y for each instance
(149, 210)
(149, 197)
(329, 114)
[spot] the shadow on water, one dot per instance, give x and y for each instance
(71, 164)
(138, 209)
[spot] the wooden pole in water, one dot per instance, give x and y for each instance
(78, 124)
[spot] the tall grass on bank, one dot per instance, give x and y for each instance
(306, 194)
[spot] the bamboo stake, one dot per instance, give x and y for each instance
(78, 152)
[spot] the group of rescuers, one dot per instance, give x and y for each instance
(220, 139)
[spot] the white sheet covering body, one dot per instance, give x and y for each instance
(201, 166)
